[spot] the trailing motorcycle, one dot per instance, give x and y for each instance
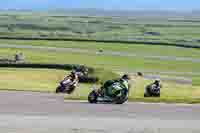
(152, 91)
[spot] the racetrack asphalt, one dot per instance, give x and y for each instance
(34, 112)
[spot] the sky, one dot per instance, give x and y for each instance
(187, 5)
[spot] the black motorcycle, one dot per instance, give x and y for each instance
(152, 91)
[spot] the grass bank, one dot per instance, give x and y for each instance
(45, 80)
(170, 93)
(30, 79)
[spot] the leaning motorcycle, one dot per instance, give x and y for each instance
(97, 96)
(66, 86)
(152, 91)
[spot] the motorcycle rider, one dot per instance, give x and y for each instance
(82, 71)
(73, 77)
(112, 88)
(155, 85)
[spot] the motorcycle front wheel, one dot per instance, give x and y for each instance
(58, 89)
(92, 97)
(120, 100)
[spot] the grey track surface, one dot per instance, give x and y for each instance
(33, 112)
(112, 53)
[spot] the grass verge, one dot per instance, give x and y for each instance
(46, 80)
(170, 93)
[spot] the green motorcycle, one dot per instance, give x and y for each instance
(118, 94)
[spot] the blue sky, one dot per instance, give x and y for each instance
(103, 4)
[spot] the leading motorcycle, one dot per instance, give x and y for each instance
(97, 96)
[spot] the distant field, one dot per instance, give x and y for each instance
(174, 30)
(170, 30)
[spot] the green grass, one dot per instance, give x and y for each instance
(196, 80)
(42, 80)
(112, 62)
(32, 24)
(45, 80)
(104, 74)
(50, 25)
(103, 61)
(170, 93)
(139, 49)
(30, 79)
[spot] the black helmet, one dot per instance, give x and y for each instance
(157, 80)
(126, 77)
